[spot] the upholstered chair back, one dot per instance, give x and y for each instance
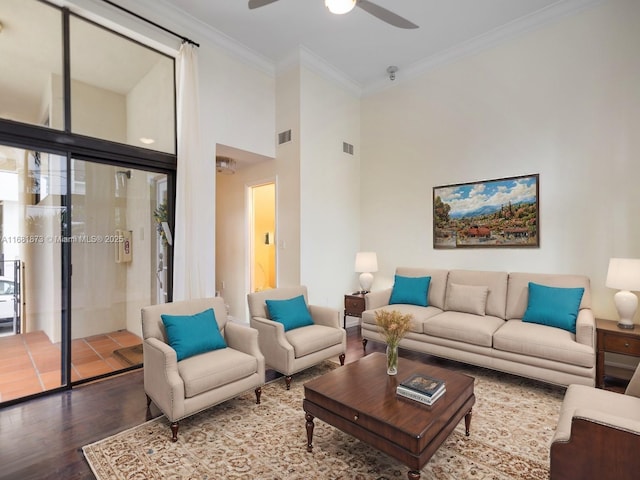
(256, 301)
(152, 325)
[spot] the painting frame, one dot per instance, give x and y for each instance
(498, 213)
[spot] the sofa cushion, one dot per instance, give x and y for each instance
(466, 298)
(553, 306)
(463, 327)
(214, 369)
(191, 335)
(419, 314)
(542, 341)
(410, 290)
(291, 313)
(496, 281)
(306, 340)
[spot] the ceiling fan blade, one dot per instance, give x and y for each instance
(385, 15)
(259, 3)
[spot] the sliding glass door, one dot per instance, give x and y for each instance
(87, 178)
(32, 215)
(115, 235)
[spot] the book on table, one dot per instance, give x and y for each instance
(418, 397)
(422, 388)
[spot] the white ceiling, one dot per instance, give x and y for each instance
(359, 45)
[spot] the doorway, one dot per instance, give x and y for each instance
(262, 246)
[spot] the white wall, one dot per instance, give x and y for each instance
(329, 189)
(562, 101)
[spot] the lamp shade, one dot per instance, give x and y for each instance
(366, 262)
(624, 274)
(340, 6)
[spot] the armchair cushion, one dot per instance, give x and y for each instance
(553, 306)
(291, 313)
(214, 369)
(313, 338)
(410, 290)
(191, 335)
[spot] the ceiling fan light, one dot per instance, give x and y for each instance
(340, 6)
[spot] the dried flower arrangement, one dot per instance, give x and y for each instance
(393, 325)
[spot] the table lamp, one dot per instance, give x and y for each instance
(624, 274)
(366, 262)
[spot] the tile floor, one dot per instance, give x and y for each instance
(30, 363)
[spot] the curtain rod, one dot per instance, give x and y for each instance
(140, 17)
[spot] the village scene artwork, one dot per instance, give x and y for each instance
(492, 213)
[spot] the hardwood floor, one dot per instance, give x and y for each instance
(42, 438)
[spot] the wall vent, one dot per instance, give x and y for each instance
(347, 148)
(284, 137)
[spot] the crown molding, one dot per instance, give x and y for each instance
(485, 41)
(304, 57)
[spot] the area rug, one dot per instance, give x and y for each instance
(511, 430)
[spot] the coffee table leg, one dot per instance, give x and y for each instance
(413, 475)
(309, 426)
(467, 422)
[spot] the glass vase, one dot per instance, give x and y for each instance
(392, 359)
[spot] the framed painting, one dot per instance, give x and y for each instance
(490, 213)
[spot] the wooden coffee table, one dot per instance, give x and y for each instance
(360, 399)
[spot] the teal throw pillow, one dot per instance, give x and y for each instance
(410, 290)
(191, 335)
(553, 306)
(292, 313)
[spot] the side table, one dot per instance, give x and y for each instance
(612, 339)
(353, 306)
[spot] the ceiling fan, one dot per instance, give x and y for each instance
(345, 6)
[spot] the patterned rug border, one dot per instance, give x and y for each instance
(495, 452)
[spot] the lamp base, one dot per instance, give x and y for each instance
(366, 280)
(626, 304)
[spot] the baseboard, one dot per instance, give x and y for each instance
(353, 321)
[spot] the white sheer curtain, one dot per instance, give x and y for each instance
(188, 271)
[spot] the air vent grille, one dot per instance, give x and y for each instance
(284, 137)
(347, 148)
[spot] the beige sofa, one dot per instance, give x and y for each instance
(489, 332)
(598, 434)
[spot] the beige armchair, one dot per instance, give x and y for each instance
(598, 434)
(181, 388)
(300, 348)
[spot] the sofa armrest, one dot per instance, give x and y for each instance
(377, 299)
(586, 328)
(327, 316)
(162, 381)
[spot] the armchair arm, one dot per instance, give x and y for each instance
(608, 420)
(327, 316)
(633, 388)
(243, 339)
(377, 299)
(278, 352)
(597, 448)
(586, 328)
(162, 381)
